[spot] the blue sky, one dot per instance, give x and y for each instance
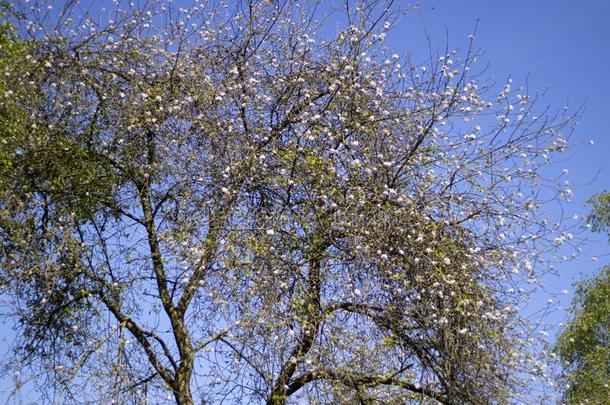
(565, 48)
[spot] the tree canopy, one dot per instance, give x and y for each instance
(584, 345)
(599, 218)
(231, 202)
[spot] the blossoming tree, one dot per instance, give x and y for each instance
(242, 203)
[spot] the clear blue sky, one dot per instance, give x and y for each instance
(565, 47)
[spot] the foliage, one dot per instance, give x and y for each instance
(584, 345)
(11, 118)
(599, 218)
(224, 203)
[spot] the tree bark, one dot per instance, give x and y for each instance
(183, 396)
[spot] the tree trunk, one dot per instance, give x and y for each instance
(182, 381)
(182, 393)
(276, 399)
